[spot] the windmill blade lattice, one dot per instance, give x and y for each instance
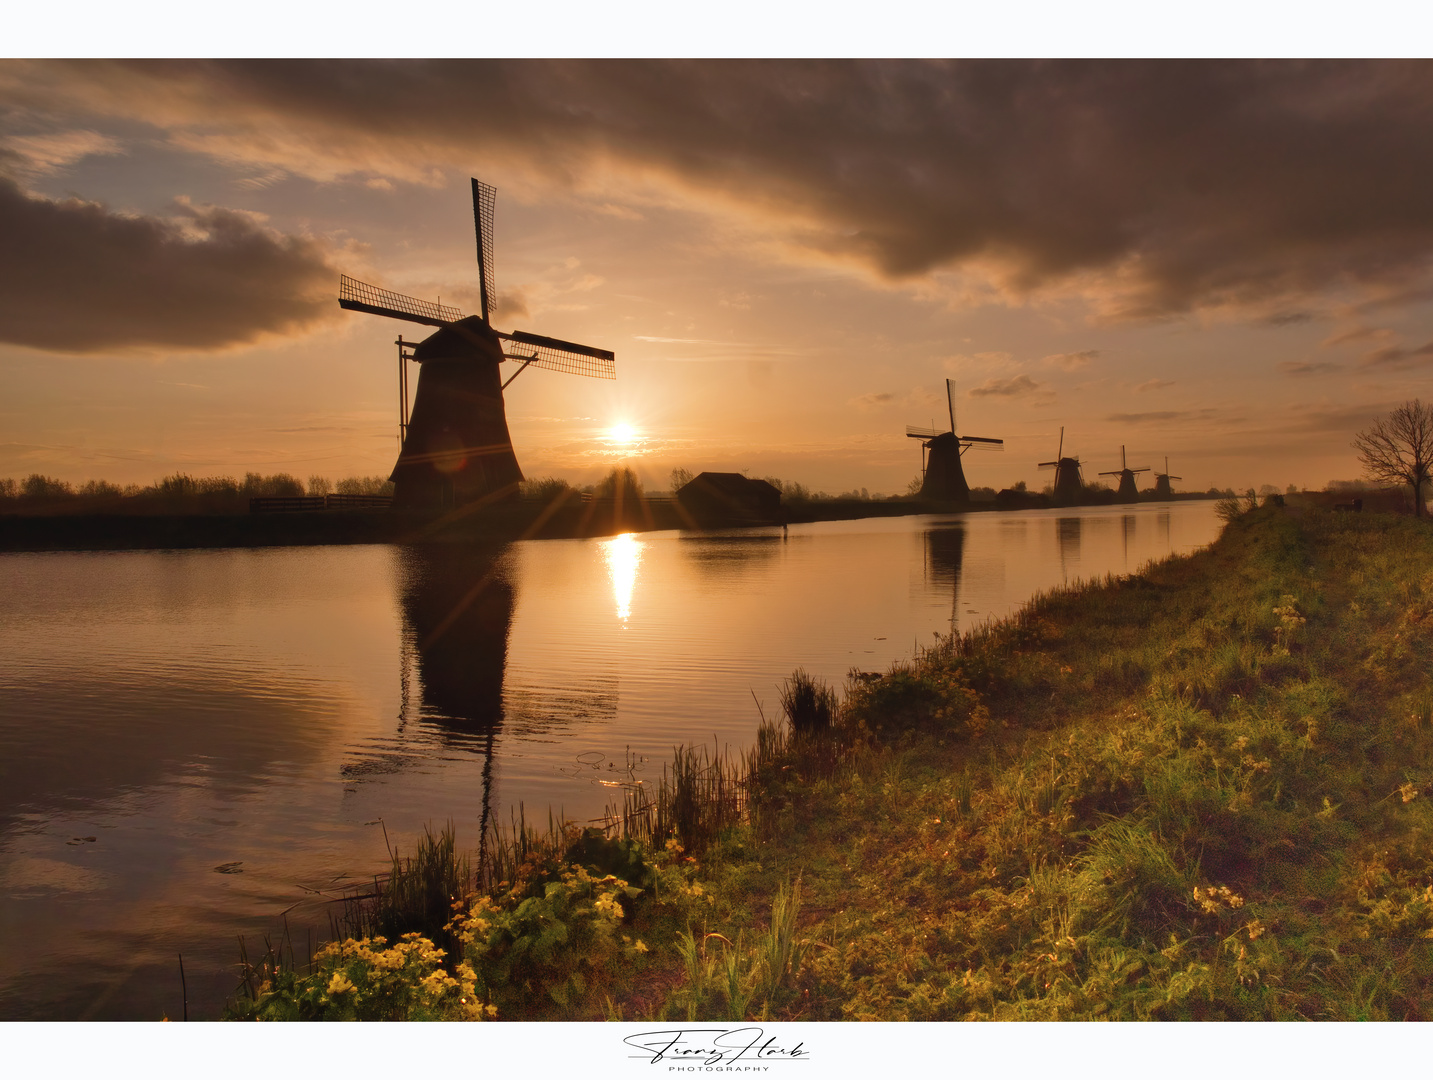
(360, 296)
(558, 355)
(485, 199)
(456, 448)
(915, 432)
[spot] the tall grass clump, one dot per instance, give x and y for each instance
(418, 895)
(731, 979)
(701, 794)
(809, 704)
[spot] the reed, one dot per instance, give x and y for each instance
(809, 704)
(418, 895)
(701, 794)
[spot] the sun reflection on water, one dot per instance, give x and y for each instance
(623, 554)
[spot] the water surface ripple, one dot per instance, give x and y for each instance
(202, 744)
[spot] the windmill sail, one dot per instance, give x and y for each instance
(360, 296)
(914, 432)
(942, 477)
(484, 201)
(534, 349)
(1067, 475)
(457, 448)
(557, 355)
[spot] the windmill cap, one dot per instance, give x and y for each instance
(466, 339)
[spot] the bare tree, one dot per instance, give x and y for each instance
(1399, 449)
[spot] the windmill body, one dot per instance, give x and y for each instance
(456, 447)
(1068, 486)
(1162, 490)
(943, 477)
(1128, 491)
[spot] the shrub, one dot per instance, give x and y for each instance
(178, 486)
(1228, 508)
(563, 944)
(548, 489)
(219, 485)
(931, 696)
(363, 980)
(606, 856)
(364, 485)
(279, 484)
(36, 486)
(620, 484)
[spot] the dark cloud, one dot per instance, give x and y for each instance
(1324, 420)
(872, 400)
(1014, 387)
(1301, 368)
(1357, 332)
(1396, 356)
(512, 303)
(1154, 188)
(1154, 384)
(78, 278)
(1147, 417)
(1072, 361)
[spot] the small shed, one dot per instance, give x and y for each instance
(722, 496)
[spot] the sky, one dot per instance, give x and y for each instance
(1228, 265)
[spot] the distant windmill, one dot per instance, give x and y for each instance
(1127, 492)
(1162, 490)
(1067, 475)
(943, 478)
(456, 448)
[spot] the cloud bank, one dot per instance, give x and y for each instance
(1149, 190)
(79, 278)
(1018, 386)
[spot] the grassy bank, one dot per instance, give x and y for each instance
(1198, 793)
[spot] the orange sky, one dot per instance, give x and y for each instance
(1227, 264)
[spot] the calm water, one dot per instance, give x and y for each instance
(194, 743)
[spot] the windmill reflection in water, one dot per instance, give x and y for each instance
(457, 603)
(457, 606)
(944, 560)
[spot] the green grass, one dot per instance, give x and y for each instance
(1202, 792)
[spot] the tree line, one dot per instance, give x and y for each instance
(181, 488)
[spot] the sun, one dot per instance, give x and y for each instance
(623, 434)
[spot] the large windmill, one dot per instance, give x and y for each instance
(1127, 492)
(1162, 490)
(455, 446)
(943, 478)
(1067, 475)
